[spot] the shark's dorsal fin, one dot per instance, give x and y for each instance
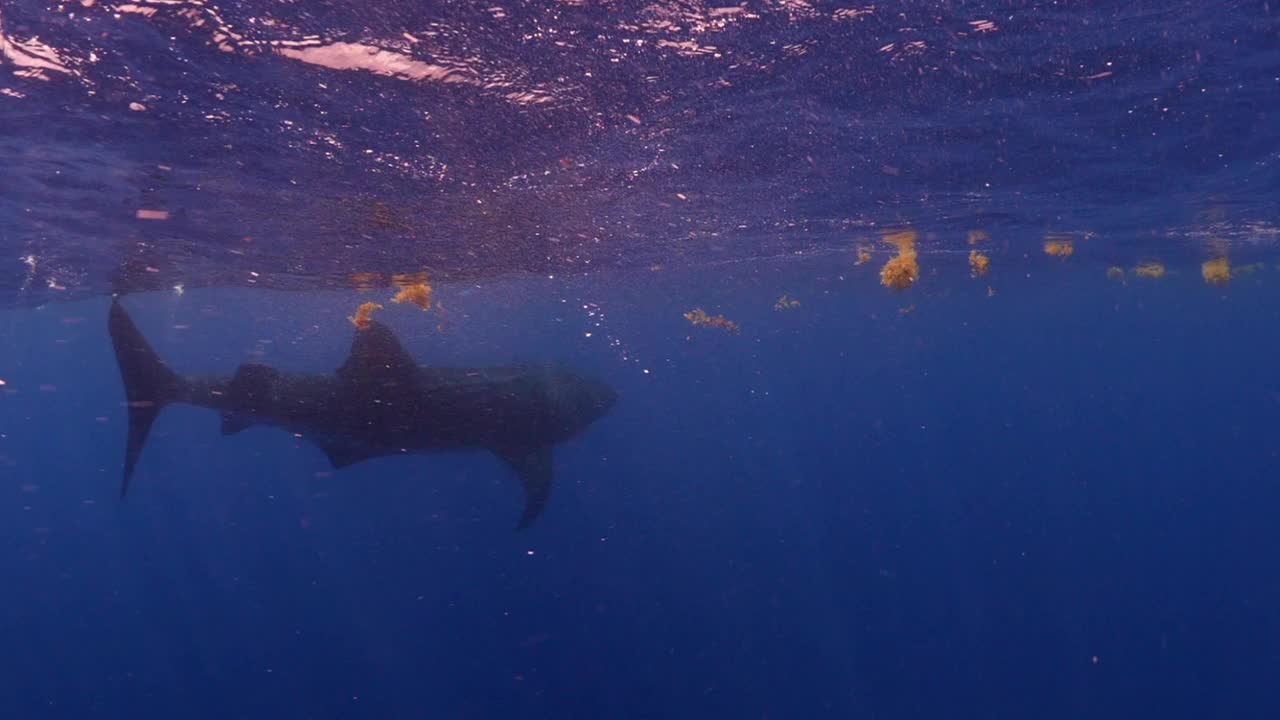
(378, 358)
(253, 376)
(533, 467)
(250, 392)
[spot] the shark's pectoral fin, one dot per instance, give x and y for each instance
(342, 454)
(533, 467)
(233, 423)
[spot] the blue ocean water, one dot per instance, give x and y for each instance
(902, 484)
(983, 508)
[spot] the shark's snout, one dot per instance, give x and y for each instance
(581, 399)
(605, 397)
(592, 399)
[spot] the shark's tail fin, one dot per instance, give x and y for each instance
(148, 384)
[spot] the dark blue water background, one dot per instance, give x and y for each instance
(1059, 505)
(1045, 492)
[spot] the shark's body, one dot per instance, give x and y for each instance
(380, 402)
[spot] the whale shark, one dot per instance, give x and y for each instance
(378, 403)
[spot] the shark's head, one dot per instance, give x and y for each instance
(578, 399)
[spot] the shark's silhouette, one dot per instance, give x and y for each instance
(380, 402)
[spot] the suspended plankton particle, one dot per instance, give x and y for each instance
(1150, 270)
(1216, 271)
(152, 214)
(364, 315)
(699, 317)
(978, 263)
(864, 255)
(977, 236)
(1115, 273)
(902, 270)
(1059, 247)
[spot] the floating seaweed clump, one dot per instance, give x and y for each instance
(364, 315)
(1216, 271)
(786, 303)
(979, 263)
(363, 281)
(1059, 248)
(384, 216)
(699, 317)
(902, 270)
(418, 294)
(413, 278)
(904, 240)
(1150, 270)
